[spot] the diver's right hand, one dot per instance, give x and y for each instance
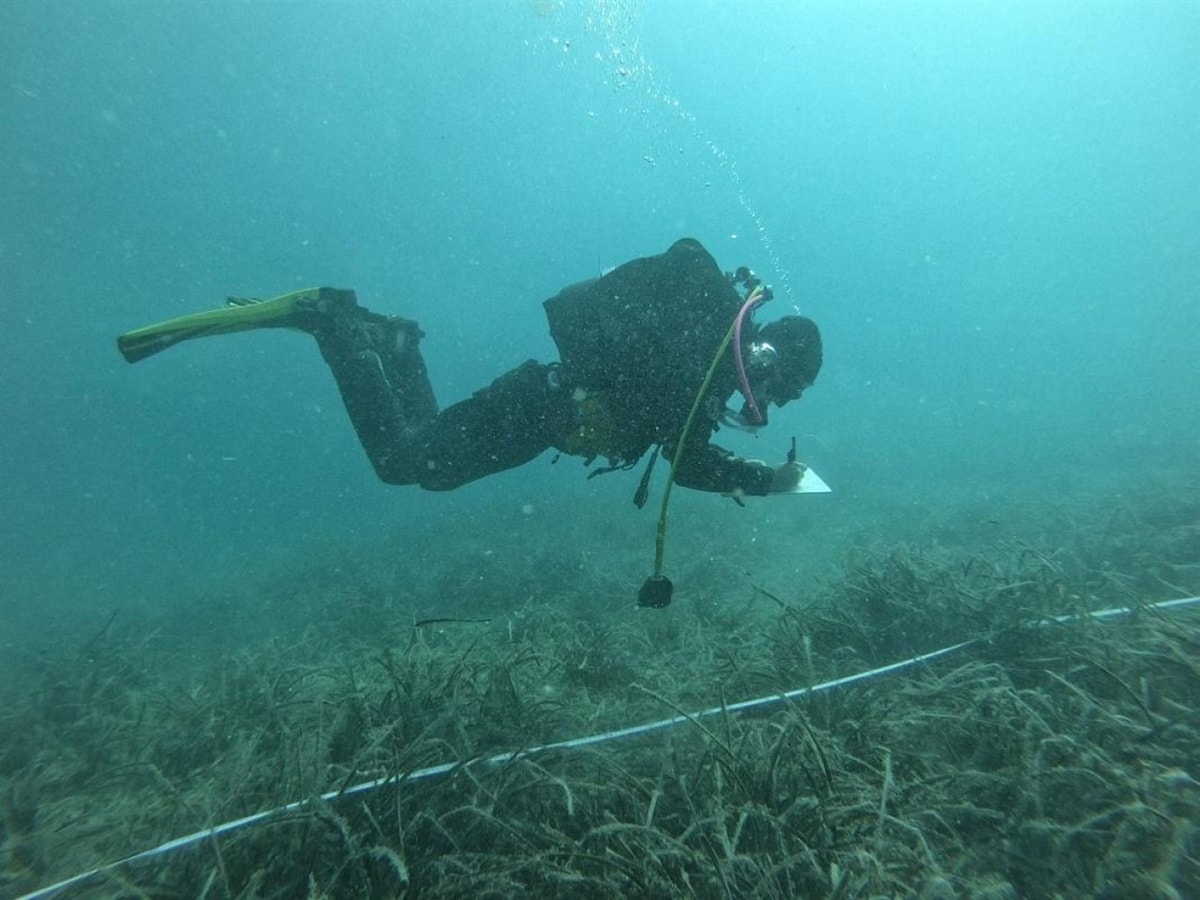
(786, 477)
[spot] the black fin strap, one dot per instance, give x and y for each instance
(606, 469)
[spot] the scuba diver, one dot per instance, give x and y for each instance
(643, 365)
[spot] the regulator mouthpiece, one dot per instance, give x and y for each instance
(656, 592)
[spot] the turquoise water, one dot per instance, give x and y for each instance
(993, 211)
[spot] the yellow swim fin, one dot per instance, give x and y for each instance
(237, 315)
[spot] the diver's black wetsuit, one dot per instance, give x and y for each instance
(635, 346)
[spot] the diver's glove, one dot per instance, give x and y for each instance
(787, 477)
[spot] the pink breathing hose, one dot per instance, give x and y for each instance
(756, 297)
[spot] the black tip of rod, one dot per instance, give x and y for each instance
(656, 592)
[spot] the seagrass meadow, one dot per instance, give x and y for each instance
(1059, 759)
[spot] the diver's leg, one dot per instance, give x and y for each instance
(508, 423)
(377, 364)
(375, 360)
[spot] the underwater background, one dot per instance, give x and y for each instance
(991, 209)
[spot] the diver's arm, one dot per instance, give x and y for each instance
(707, 467)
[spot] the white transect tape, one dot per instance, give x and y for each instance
(590, 740)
